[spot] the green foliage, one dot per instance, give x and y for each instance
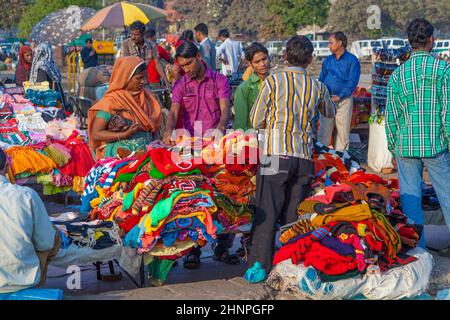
(11, 12)
(296, 13)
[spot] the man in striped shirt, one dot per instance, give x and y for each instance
(418, 123)
(286, 111)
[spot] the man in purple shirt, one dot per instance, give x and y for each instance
(200, 102)
(200, 99)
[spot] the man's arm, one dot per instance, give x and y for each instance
(224, 93)
(260, 109)
(446, 101)
(172, 118)
(355, 72)
(241, 109)
(43, 237)
(84, 56)
(323, 72)
(393, 112)
(326, 106)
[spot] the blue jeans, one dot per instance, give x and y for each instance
(410, 179)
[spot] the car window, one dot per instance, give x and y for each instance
(364, 44)
(375, 44)
(398, 42)
(446, 44)
(439, 44)
(323, 45)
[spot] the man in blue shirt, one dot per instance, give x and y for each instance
(88, 55)
(340, 73)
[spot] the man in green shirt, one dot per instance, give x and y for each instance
(245, 96)
(418, 123)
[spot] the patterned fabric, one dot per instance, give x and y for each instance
(417, 110)
(43, 59)
(287, 107)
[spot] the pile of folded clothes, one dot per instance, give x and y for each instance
(167, 201)
(351, 225)
(41, 147)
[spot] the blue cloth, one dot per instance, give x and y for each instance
(337, 246)
(172, 229)
(33, 294)
(410, 180)
(132, 238)
(88, 60)
(341, 76)
(255, 274)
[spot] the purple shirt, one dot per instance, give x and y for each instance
(200, 101)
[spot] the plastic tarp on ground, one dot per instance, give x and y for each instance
(407, 281)
(378, 155)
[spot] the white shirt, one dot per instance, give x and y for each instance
(25, 229)
(230, 51)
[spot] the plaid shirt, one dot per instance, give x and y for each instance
(418, 107)
(147, 53)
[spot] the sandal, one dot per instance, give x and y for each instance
(192, 261)
(227, 258)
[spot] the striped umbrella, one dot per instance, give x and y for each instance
(123, 14)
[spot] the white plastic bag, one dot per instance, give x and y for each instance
(406, 281)
(378, 154)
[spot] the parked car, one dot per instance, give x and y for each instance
(442, 48)
(321, 50)
(276, 49)
(364, 48)
(392, 43)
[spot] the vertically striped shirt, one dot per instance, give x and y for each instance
(287, 108)
(418, 107)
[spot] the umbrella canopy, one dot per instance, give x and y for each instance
(123, 14)
(62, 26)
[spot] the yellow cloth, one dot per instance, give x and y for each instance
(26, 159)
(352, 213)
(248, 72)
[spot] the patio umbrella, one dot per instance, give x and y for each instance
(62, 26)
(123, 14)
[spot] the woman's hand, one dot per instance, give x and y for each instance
(167, 139)
(130, 131)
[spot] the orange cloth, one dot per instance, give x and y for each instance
(143, 108)
(26, 159)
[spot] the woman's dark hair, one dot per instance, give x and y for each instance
(419, 31)
(187, 50)
(188, 35)
(299, 50)
(142, 67)
(340, 36)
(150, 33)
(138, 25)
(224, 33)
(2, 159)
(202, 28)
(253, 49)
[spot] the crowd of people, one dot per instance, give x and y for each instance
(290, 107)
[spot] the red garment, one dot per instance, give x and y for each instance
(361, 176)
(81, 161)
(169, 163)
(152, 73)
(331, 192)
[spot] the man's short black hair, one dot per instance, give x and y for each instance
(340, 36)
(2, 159)
(187, 50)
(188, 35)
(202, 28)
(253, 49)
(299, 50)
(419, 31)
(150, 33)
(88, 41)
(224, 33)
(138, 25)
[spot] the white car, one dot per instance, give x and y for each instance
(276, 49)
(393, 43)
(442, 48)
(321, 49)
(364, 48)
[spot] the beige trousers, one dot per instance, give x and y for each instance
(342, 121)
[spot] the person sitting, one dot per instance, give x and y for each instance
(129, 116)
(28, 240)
(23, 65)
(44, 69)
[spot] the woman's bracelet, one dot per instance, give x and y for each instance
(118, 137)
